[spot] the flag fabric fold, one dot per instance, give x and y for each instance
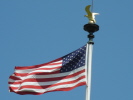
(62, 74)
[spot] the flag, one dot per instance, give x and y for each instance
(62, 74)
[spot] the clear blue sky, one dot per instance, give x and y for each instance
(37, 31)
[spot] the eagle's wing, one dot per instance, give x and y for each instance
(87, 9)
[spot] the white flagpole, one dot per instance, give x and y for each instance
(89, 50)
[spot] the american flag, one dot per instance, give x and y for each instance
(62, 74)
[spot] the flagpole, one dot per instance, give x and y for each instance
(89, 51)
(91, 28)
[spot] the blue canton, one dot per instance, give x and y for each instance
(73, 60)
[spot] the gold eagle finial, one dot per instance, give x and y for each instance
(90, 15)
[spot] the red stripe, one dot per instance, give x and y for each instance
(14, 78)
(36, 66)
(14, 83)
(12, 89)
(49, 79)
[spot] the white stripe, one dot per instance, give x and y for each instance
(60, 61)
(51, 75)
(29, 70)
(52, 70)
(49, 83)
